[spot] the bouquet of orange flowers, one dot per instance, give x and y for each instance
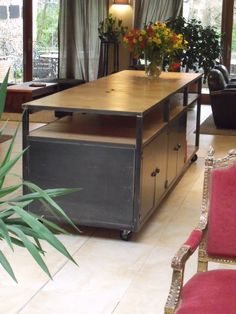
(154, 39)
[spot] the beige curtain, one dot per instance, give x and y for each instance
(79, 45)
(146, 11)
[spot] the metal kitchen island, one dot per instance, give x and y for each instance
(125, 142)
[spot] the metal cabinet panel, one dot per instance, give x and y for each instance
(105, 174)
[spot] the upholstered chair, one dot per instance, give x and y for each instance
(210, 291)
(223, 100)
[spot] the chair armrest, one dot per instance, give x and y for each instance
(187, 249)
(178, 265)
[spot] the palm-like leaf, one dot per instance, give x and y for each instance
(19, 227)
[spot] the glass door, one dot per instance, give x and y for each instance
(11, 40)
(45, 39)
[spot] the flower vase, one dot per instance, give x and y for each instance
(153, 67)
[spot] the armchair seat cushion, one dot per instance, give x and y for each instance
(211, 292)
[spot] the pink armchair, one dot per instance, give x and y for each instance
(210, 291)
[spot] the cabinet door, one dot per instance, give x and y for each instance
(177, 147)
(154, 163)
(161, 166)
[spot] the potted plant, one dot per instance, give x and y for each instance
(18, 226)
(111, 29)
(203, 49)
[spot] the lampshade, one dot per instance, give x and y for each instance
(121, 1)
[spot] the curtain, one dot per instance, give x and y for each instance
(79, 44)
(155, 10)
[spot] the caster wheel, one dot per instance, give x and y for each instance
(194, 158)
(125, 235)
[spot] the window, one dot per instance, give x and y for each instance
(208, 12)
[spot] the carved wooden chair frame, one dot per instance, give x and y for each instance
(198, 235)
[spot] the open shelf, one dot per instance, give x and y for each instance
(153, 123)
(101, 128)
(90, 127)
(176, 103)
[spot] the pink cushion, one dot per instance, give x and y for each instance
(222, 213)
(211, 292)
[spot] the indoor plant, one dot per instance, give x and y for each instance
(111, 29)
(154, 42)
(17, 226)
(203, 49)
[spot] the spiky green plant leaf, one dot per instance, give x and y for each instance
(6, 265)
(50, 192)
(17, 226)
(54, 206)
(2, 127)
(42, 231)
(3, 92)
(6, 163)
(8, 190)
(4, 233)
(31, 248)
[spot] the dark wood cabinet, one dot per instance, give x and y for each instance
(125, 145)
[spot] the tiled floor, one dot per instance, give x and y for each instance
(113, 276)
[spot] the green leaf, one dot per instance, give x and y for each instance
(9, 190)
(43, 232)
(31, 248)
(25, 229)
(3, 92)
(52, 226)
(49, 192)
(49, 200)
(8, 154)
(2, 128)
(4, 233)
(7, 266)
(17, 242)
(4, 169)
(6, 213)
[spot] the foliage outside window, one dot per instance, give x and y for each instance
(46, 39)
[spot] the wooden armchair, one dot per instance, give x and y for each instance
(210, 291)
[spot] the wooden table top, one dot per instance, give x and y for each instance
(125, 92)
